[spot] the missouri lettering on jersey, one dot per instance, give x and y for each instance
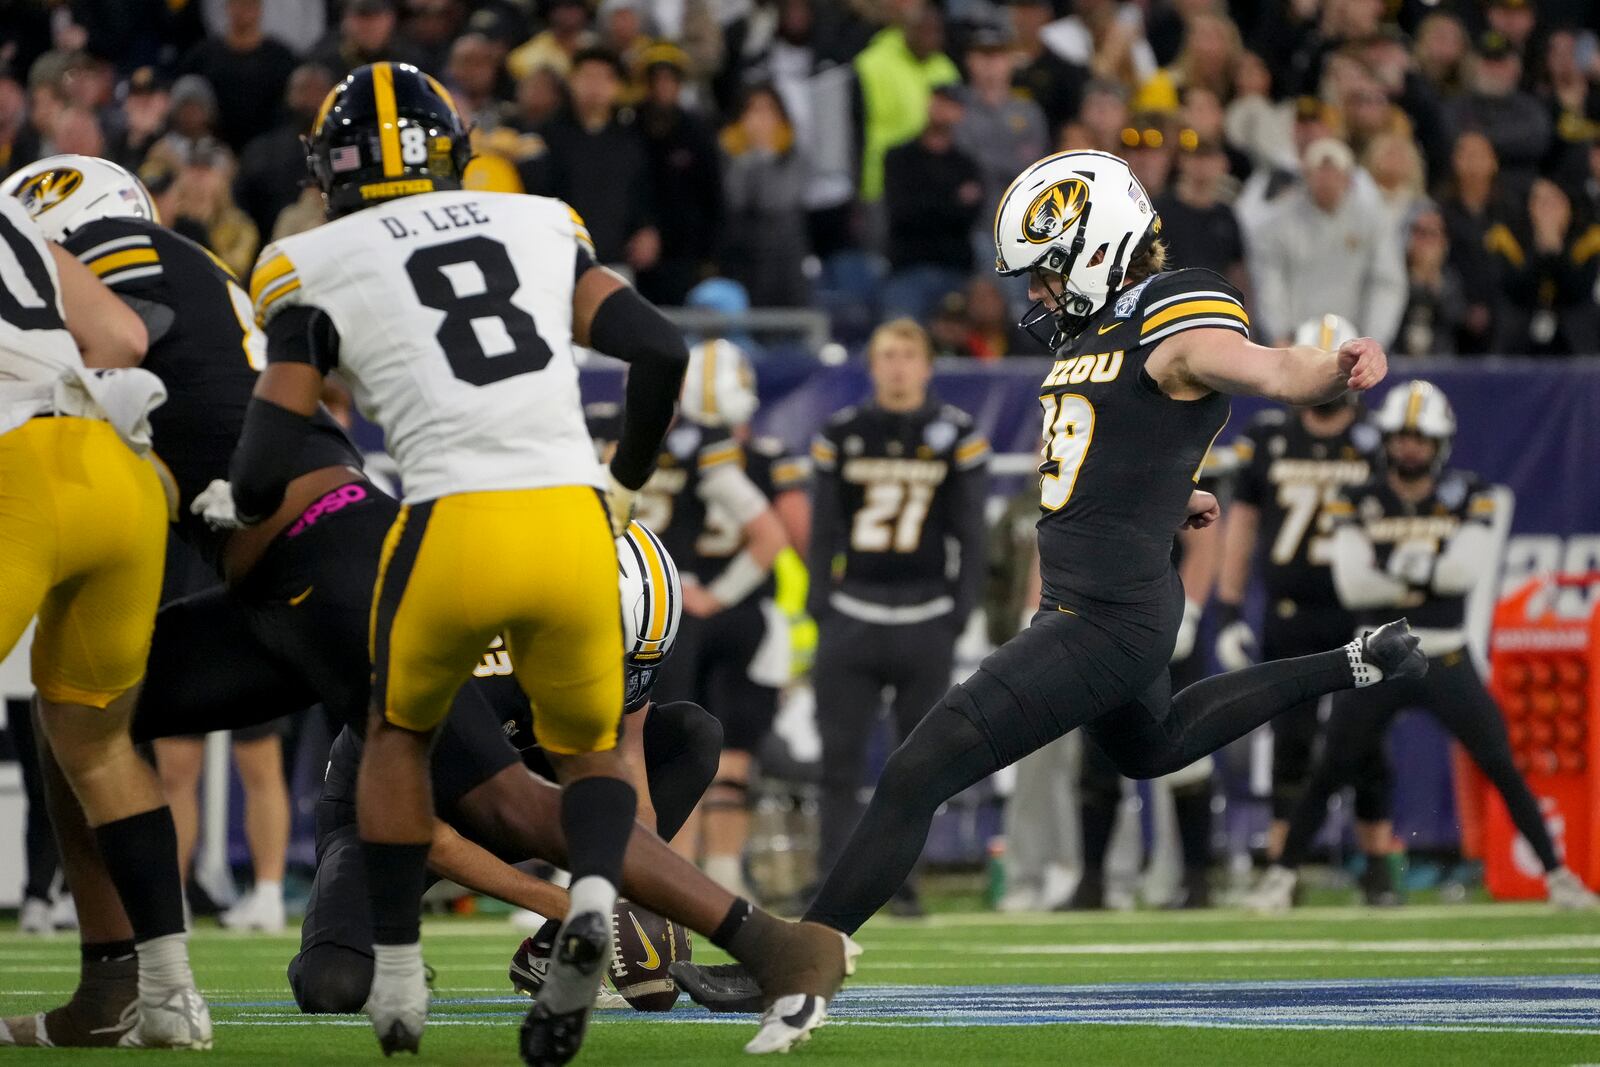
(896, 506)
(1121, 457)
(1290, 475)
(457, 343)
(677, 500)
(205, 347)
(1408, 542)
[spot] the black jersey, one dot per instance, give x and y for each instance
(1120, 456)
(1289, 475)
(205, 348)
(894, 491)
(1458, 498)
(671, 503)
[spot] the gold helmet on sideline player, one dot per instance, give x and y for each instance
(719, 388)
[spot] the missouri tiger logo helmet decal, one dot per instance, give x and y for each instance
(46, 190)
(1054, 209)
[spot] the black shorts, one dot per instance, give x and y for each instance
(1103, 667)
(710, 666)
(293, 633)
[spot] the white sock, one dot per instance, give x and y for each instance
(269, 890)
(164, 965)
(396, 962)
(1366, 673)
(592, 893)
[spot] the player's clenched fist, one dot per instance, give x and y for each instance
(1363, 362)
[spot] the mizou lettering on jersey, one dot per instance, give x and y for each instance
(1096, 367)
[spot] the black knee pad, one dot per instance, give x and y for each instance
(330, 979)
(687, 735)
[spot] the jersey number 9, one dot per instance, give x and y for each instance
(485, 337)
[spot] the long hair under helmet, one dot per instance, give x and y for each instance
(1082, 217)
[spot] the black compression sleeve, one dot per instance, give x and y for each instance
(633, 330)
(265, 460)
(303, 334)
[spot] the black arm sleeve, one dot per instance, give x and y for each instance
(266, 459)
(303, 334)
(633, 330)
(826, 538)
(972, 533)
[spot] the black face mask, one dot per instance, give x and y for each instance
(1056, 319)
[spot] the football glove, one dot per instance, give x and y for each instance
(619, 504)
(1412, 562)
(214, 504)
(1236, 642)
(1188, 630)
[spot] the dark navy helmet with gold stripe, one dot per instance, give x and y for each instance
(387, 130)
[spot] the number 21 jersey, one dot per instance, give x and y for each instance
(453, 315)
(1120, 456)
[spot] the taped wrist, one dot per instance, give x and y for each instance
(266, 459)
(741, 577)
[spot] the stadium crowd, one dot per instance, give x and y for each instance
(1430, 171)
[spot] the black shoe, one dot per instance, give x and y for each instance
(552, 1036)
(1196, 892)
(723, 988)
(1394, 650)
(1089, 896)
(1377, 884)
(906, 904)
(531, 962)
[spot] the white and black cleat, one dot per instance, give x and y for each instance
(788, 1023)
(398, 1009)
(553, 1032)
(1388, 653)
(175, 1018)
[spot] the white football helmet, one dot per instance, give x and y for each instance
(1421, 408)
(1081, 215)
(652, 605)
(63, 193)
(1326, 332)
(719, 388)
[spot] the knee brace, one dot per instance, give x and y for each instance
(330, 979)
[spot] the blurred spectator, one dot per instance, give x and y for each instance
(19, 141)
(933, 195)
(819, 93)
(624, 29)
(1436, 307)
(1368, 114)
(299, 24)
(47, 95)
(1470, 206)
(431, 26)
(947, 330)
(686, 172)
(1148, 145)
(1515, 20)
(1254, 123)
(1387, 60)
(1574, 102)
(897, 71)
(566, 34)
(1324, 250)
(1211, 49)
(1589, 191)
(472, 74)
(247, 71)
(1165, 25)
(77, 131)
(191, 115)
(1396, 167)
(599, 164)
(1106, 36)
(145, 109)
(1441, 51)
(1201, 230)
(1203, 123)
(193, 195)
(992, 330)
(1514, 121)
(1337, 23)
(1054, 83)
(272, 167)
(1000, 131)
(764, 233)
(367, 33)
(541, 96)
(1101, 121)
(1269, 185)
(1547, 267)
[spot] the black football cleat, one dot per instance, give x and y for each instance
(531, 962)
(723, 988)
(553, 1031)
(1392, 649)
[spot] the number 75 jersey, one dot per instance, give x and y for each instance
(453, 320)
(1120, 456)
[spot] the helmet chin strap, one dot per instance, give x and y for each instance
(1067, 323)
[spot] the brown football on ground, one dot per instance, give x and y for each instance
(643, 946)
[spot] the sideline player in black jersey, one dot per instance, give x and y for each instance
(896, 563)
(1416, 537)
(1146, 359)
(720, 527)
(1290, 464)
